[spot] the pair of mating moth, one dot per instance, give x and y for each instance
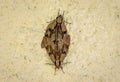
(56, 41)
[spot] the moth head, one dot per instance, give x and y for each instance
(59, 19)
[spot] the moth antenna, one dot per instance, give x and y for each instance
(63, 13)
(58, 12)
(48, 21)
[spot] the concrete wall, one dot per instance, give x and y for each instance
(95, 40)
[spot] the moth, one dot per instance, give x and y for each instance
(56, 41)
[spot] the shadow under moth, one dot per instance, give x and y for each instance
(56, 41)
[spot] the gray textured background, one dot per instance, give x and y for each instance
(95, 40)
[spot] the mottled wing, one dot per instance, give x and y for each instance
(63, 27)
(66, 43)
(66, 39)
(43, 43)
(50, 27)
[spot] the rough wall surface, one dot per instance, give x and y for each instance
(95, 40)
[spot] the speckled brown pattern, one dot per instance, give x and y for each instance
(56, 41)
(94, 51)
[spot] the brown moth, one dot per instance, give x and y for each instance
(56, 41)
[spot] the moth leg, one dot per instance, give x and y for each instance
(49, 21)
(62, 69)
(49, 63)
(67, 22)
(55, 71)
(65, 63)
